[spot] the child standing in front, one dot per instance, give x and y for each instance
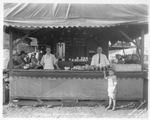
(112, 83)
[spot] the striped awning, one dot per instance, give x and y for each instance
(43, 15)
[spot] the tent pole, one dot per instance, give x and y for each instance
(137, 49)
(126, 36)
(122, 47)
(108, 49)
(23, 38)
(11, 49)
(142, 48)
(136, 40)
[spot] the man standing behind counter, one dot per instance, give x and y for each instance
(49, 60)
(99, 59)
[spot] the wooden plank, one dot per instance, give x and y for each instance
(54, 103)
(34, 102)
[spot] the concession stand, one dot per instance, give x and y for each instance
(74, 31)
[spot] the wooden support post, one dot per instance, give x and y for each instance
(137, 49)
(107, 51)
(142, 48)
(23, 38)
(10, 49)
(122, 47)
(126, 36)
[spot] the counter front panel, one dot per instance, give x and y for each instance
(45, 84)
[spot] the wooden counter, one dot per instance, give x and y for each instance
(61, 84)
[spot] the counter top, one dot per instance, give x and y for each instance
(73, 73)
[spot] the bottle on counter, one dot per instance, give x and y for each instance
(104, 71)
(99, 68)
(96, 68)
(104, 68)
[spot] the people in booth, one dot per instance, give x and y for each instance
(128, 59)
(49, 60)
(18, 61)
(135, 59)
(34, 63)
(15, 62)
(27, 59)
(119, 59)
(99, 59)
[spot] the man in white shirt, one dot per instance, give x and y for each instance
(49, 60)
(99, 59)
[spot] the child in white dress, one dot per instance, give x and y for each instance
(112, 83)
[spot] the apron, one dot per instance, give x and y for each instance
(48, 63)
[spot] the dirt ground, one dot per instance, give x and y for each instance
(124, 109)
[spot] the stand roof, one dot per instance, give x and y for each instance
(39, 15)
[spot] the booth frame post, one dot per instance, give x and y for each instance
(10, 54)
(142, 48)
(107, 49)
(122, 47)
(145, 79)
(130, 39)
(11, 49)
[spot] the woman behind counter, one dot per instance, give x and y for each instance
(49, 60)
(18, 61)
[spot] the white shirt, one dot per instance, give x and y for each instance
(112, 82)
(103, 60)
(48, 61)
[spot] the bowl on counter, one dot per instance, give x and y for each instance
(27, 66)
(67, 68)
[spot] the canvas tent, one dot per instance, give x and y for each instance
(31, 15)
